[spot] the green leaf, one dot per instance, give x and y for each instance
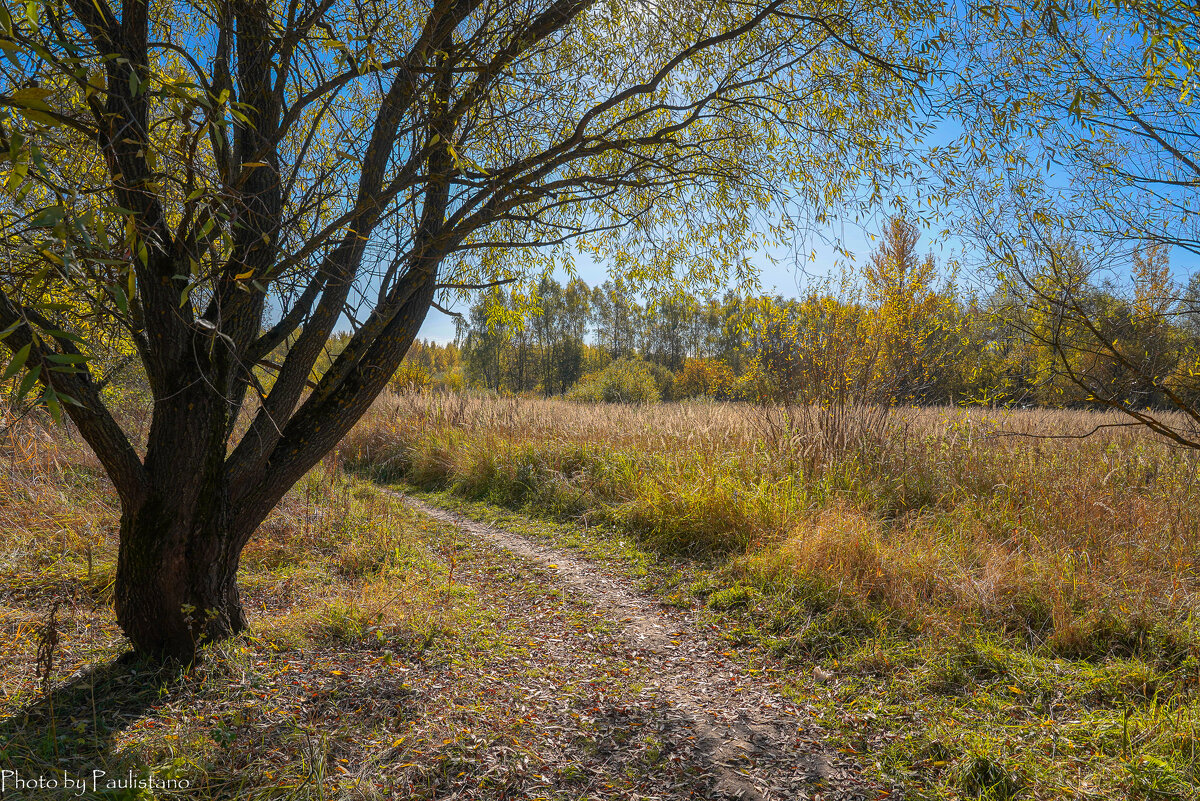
(50, 398)
(54, 332)
(18, 361)
(17, 176)
(122, 300)
(33, 97)
(27, 383)
(49, 217)
(67, 358)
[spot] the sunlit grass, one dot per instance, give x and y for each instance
(1075, 544)
(1004, 616)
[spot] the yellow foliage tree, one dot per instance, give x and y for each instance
(703, 378)
(909, 317)
(217, 179)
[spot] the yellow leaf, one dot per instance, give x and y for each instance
(33, 97)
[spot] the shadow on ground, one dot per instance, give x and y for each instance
(70, 731)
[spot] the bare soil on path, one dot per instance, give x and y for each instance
(751, 742)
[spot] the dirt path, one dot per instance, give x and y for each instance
(757, 744)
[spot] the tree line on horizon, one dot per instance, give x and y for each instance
(894, 330)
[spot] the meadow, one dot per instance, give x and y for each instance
(1006, 606)
(384, 661)
(973, 603)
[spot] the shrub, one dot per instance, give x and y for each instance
(410, 377)
(664, 379)
(703, 378)
(622, 381)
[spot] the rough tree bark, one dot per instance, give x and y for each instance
(181, 541)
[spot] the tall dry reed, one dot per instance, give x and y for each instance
(1011, 520)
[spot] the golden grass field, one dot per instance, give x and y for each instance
(1002, 616)
(1012, 609)
(948, 520)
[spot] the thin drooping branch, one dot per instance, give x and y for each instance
(85, 406)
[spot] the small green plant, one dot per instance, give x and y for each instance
(984, 778)
(732, 597)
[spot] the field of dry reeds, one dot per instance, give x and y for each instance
(1035, 586)
(951, 517)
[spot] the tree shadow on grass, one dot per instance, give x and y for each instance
(71, 731)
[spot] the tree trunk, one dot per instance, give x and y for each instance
(183, 534)
(176, 583)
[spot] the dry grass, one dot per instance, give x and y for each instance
(996, 611)
(996, 616)
(1089, 545)
(389, 657)
(48, 488)
(339, 576)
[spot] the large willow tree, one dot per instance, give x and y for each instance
(218, 181)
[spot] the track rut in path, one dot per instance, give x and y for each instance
(758, 744)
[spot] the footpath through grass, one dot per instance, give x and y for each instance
(389, 658)
(983, 631)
